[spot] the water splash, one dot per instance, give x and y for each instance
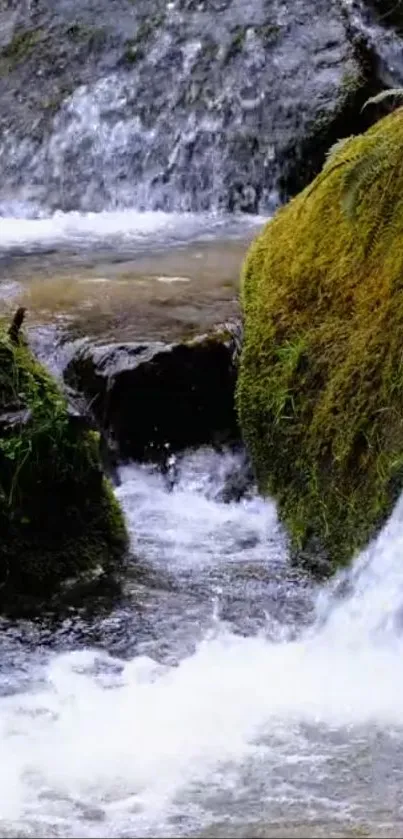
(193, 108)
(244, 730)
(125, 231)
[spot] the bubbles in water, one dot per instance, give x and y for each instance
(189, 526)
(246, 728)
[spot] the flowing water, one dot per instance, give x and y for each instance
(222, 692)
(120, 233)
(222, 695)
(124, 275)
(181, 105)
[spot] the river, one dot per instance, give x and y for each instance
(222, 693)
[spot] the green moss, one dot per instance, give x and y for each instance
(320, 391)
(114, 518)
(134, 51)
(269, 32)
(21, 46)
(236, 44)
(93, 37)
(58, 514)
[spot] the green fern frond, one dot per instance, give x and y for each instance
(361, 174)
(352, 184)
(390, 93)
(332, 163)
(336, 148)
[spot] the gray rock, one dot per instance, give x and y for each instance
(10, 419)
(183, 105)
(151, 399)
(388, 12)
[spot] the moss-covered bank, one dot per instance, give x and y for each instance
(58, 515)
(320, 391)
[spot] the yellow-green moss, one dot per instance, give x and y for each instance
(58, 514)
(22, 45)
(320, 390)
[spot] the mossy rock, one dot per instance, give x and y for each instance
(59, 518)
(320, 389)
(22, 45)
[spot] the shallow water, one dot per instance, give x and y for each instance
(124, 276)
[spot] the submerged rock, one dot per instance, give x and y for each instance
(320, 392)
(59, 518)
(153, 398)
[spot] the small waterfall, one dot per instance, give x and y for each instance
(195, 107)
(385, 41)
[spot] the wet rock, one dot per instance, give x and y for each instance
(388, 12)
(11, 419)
(151, 399)
(183, 105)
(59, 519)
(239, 483)
(366, 77)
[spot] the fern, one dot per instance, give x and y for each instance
(360, 175)
(331, 163)
(336, 148)
(363, 172)
(360, 172)
(390, 93)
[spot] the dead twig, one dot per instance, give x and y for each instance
(16, 324)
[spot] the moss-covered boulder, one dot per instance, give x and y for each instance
(320, 390)
(58, 515)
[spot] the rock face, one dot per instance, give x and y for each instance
(320, 393)
(182, 105)
(388, 12)
(154, 398)
(58, 516)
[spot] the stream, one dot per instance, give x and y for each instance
(222, 692)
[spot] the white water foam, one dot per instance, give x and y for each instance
(118, 228)
(114, 749)
(196, 531)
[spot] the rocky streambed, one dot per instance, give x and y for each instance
(148, 345)
(145, 399)
(217, 690)
(211, 686)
